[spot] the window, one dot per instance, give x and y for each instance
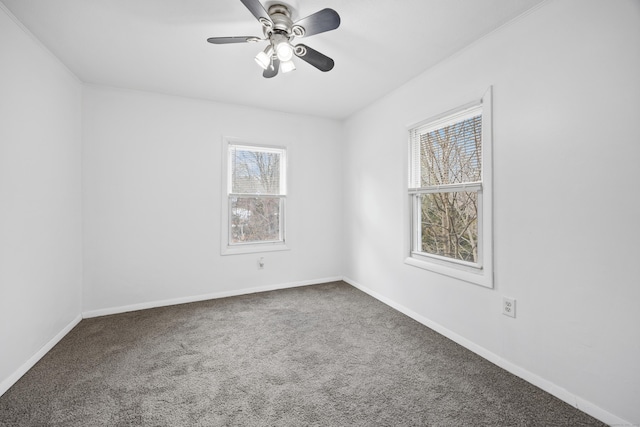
(450, 193)
(255, 183)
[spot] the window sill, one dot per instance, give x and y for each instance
(482, 278)
(254, 249)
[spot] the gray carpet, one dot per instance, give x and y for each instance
(324, 355)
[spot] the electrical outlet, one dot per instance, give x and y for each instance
(509, 306)
(260, 263)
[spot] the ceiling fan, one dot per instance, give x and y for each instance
(280, 31)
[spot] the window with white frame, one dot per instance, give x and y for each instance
(255, 198)
(450, 193)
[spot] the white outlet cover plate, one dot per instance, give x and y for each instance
(509, 306)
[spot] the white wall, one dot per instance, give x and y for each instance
(152, 199)
(566, 160)
(40, 206)
(566, 168)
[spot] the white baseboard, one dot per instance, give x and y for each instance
(546, 385)
(196, 298)
(13, 378)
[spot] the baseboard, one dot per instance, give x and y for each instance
(546, 385)
(196, 298)
(13, 378)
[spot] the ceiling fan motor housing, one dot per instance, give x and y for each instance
(281, 18)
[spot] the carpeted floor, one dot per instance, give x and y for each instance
(324, 355)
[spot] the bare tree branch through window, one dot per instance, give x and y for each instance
(449, 158)
(257, 196)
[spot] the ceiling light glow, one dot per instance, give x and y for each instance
(283, 48)
(284, 52)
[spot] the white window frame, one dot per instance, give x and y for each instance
(226, 246)
(480, 272)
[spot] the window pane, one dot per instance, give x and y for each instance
(449, 225)
(255, 219)
(452, 154)
(255, 171)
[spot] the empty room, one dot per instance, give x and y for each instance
(319, 212)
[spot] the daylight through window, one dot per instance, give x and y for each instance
(450, 193)
(256, 194)
(449, 178)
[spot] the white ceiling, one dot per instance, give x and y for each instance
(160, 46)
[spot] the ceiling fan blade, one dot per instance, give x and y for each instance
(238, 39)
(313, 57)
(319, 22)
(258, 10)
(272, 70)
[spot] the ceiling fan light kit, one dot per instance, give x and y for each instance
(280, 31)
(264, 58)
(281, 46)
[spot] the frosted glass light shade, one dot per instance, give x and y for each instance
(287, 66)
(284, 51)
(264, 58)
